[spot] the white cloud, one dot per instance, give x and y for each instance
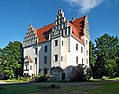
(84, 6)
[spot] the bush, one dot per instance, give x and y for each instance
(81, 73)
(22, 78)
(98, 73)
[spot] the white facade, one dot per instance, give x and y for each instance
(60, 48)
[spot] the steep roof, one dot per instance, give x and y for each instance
(41, 32)
(77, 28)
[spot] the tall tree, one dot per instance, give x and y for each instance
(12, 59)
(106, 49)
(91, 54)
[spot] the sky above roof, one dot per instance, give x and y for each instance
(16, 15)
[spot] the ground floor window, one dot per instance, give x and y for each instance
(55, 58)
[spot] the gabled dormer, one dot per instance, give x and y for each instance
(30, 38)
(60, 27)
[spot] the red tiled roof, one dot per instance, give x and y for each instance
(79, 24)
(40, 32)
(77, 28)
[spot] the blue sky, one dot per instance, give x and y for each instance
(16, 15)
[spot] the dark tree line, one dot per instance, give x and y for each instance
(104, 56)
(11, 58)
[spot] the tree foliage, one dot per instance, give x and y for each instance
(106, 55)
(92, 55)
(11, 59)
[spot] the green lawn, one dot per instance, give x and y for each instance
(77, 88)
(110, 88)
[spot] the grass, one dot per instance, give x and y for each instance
(111, 88)
(16, 89)
(89, 88)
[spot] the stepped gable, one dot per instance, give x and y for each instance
(77, 28)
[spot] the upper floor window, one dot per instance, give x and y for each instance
(45, 59)
(35, 60)
(35, 50)
(87, 52)
(56, 43)
(30, 67)
(62, 43)
(55, 58)
(86, 42)
(81, 49)
(76, 46)
(77, 60)
(45, 49)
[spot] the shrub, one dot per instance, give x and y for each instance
(22, 78)
(81, 73)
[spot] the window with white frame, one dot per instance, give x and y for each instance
(81, 49)
(76, 59)
(56, 43)
(45, 48)
(45, 59)
(77, 47)
(61, 58)
(55, 58)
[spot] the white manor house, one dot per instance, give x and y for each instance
(62, 44)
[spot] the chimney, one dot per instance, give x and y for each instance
(72, 19)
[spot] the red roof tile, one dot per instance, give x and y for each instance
(40, 32)
(77, 28)
(79, 24)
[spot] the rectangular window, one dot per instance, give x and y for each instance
(56, 43)
(87, 52)
(82, 60)
(77, 47)
(35, 50)
(26, 67)
(55, 58)
(86, 42)
(45, 59)
(77, 60)
(87, 61)
(45, 49)
(30, 67)
(62, 43)
(61, 58)
(81, 49)
(35, 60)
